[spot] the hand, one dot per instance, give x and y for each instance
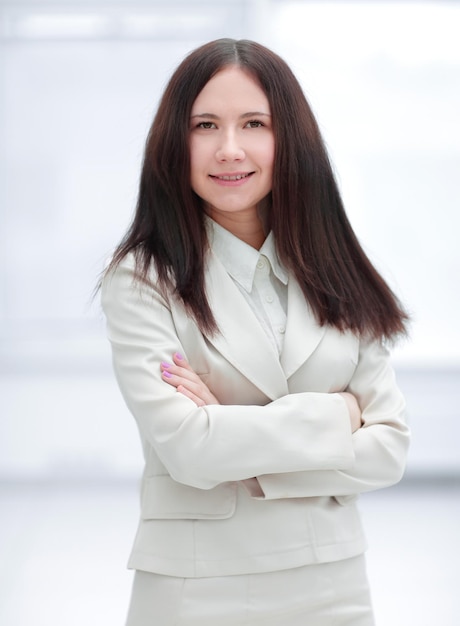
(180, 375)
(353, 410)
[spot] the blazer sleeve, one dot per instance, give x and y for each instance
(205, 446)
(380, 445)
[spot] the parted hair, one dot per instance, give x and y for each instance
(314, 238)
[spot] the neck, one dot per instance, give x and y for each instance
(254, 238)
(248, 228)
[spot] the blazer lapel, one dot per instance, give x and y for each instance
(242, 340)
(303, 333)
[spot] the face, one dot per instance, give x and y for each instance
(232, 146)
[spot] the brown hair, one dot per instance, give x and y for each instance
(313, 236)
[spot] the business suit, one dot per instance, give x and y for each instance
(279, 420)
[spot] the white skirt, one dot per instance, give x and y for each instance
(325, 594)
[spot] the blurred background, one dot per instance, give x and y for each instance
(79, 84)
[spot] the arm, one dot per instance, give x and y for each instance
(207, 445)
(180, 375)
(380, 445)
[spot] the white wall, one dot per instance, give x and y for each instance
(384, 79)
(79, 83)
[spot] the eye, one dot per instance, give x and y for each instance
(254, 124)
(206, 125)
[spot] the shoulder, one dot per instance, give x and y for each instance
(125, 266)
(122, 283)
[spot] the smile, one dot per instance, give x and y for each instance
(232, 176)
(231, 180)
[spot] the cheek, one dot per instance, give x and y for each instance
(193, 155)
(268, 154)
(198, 150)
(269, 164)
(196, 164)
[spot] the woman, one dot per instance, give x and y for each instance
(248, 327)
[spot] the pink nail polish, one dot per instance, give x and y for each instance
(167, 374)
(163, 364)
(179, 356)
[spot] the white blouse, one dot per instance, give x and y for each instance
(259, 276)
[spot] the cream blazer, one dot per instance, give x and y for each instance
(280, 421)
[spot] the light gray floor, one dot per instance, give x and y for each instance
(63, 549)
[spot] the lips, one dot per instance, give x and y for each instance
(232, 177)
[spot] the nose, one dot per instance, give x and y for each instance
(229, 148)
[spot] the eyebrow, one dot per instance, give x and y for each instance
(212, 116)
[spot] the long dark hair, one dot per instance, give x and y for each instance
(313, 236)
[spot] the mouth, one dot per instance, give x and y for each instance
(232, 177)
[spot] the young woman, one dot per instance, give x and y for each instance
(248, 329)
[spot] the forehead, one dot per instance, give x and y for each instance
(231, 88)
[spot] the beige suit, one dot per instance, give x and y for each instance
(280, 420)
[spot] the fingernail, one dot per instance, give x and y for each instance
(179, 356)
(164, 364)
(167, 374)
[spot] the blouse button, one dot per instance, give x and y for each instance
(260, 264)
(282, 330)
(269, 298)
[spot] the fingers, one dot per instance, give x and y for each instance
(181, 361)
(179, 370)
(196, 399)
(354, 410)
(174, 377)
(179, 374)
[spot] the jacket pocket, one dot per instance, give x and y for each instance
(164, 498)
